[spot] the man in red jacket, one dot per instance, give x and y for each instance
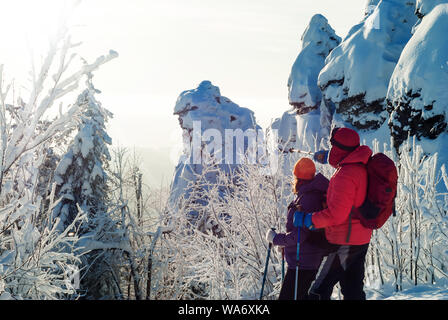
(347, 189)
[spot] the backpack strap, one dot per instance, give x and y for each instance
(349, 226)
(295, 202)
(394, 208)
(350, 216)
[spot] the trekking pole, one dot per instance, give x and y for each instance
(283, 264)
(266, 267)
(300, 151)
(297, 265)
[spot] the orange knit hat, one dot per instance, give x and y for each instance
(305, 169)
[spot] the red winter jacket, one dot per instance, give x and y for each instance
(347, 189)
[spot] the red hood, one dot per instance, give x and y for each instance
(360, 155)
(347, 189)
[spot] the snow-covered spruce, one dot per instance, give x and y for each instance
(205, 115)
(81, 182)
(418, 97)
(79, 176)
(355, 78)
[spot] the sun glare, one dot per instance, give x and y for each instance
(27, 27)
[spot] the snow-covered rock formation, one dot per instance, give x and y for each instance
(423, 7)
(417, 97)
(215, 130)
(286, 131)
(356, 76)
(317, 42)
(300, 128)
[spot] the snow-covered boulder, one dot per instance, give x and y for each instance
(423, 7)
(318, 40)
(215, 130)
(418, 92)
(355, 78)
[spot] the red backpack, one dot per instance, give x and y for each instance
(382, 176)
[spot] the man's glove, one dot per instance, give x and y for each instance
(302, 219)
(321, 156)
(270, 235)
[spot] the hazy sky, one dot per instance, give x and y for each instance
(245, 47)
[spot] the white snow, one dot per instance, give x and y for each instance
(301, 128)
(423, 7)
(363, 63)
(317, 41)
(411, 292)
(85, 138)
(422, 69)
(423, 64)
(65, 162)
(372, 50)
(286, 127)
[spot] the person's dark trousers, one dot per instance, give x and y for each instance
(305, 279)
(345, 264)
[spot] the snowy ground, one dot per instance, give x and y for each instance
(419, 292)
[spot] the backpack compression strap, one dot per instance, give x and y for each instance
(353, 208)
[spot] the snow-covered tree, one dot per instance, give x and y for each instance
(410, 249)
(138, 210)
(80, 175)
(37, 259)
(81, 181)
(204, 264)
